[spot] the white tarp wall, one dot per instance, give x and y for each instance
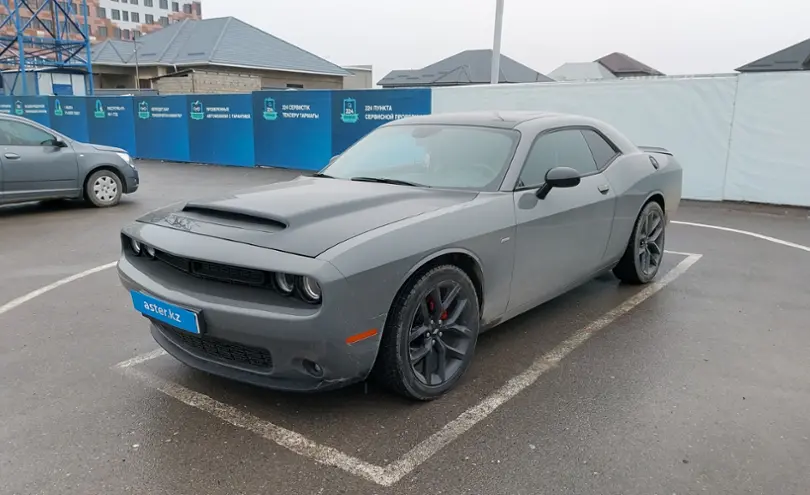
(769, 161)
(754, 146)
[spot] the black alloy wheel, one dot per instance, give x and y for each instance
(645, 251)
(650, 246)
(430, 339)
(440, 335)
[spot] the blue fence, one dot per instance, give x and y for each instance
(291, 129)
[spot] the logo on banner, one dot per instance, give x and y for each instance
(197, 112)
(269, 109)
(18, 107)
(349, 114)
(99, 113)
(143, 110)
(57, 108)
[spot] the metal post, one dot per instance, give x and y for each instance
(20, 47)
(137, 67)
(87, 48)
(496, 45)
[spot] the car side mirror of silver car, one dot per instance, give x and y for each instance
(55, 142)
(559, 177)
(332, 160)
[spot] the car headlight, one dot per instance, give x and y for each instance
(310, 289)
(285, 283)
(136, 246)
(127, 159)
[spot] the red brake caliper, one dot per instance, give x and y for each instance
(432, 307)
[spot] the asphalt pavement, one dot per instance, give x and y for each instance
(698, 385)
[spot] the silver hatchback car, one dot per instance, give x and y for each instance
(38, 163)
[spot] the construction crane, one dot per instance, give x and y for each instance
(45, 34)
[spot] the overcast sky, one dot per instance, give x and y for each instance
(673, 36)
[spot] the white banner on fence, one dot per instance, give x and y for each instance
(769, 160)
(690, 116)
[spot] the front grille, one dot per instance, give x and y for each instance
(220, 350)
(174, 261)
(226, 273)
(216, 271)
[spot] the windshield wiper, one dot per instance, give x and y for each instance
(324, 176)
(383, 180)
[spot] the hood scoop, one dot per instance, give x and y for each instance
(232, 217)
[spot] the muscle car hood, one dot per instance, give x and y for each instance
(306, 215)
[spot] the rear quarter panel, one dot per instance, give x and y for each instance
(378, 263)
(635, 180)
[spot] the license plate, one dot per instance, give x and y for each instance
(165, 312)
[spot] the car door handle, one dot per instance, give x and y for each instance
(604, 188)
(12, 156)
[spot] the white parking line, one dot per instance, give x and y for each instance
(395, 471)
(34, 294)
(286, 438)
(141, 359)
(677, 253)
(745, 232)
(469, 418)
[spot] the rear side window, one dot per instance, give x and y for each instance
(603, 152)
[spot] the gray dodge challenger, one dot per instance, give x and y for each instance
(391, 261)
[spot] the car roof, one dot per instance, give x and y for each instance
(8, 116)
(502, 119)
(17, 118)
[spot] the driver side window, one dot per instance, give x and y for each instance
(564, 148)
(19, 134)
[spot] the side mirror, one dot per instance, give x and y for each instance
(560, 177)
(59, 143)
(332, 160)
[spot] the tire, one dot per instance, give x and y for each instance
(451, 342)
(646, 242)
(103, 189)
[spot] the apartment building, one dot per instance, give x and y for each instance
(132, 18)
(107, 19)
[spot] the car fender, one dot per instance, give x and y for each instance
(379, 262)
(443, 252)
(649, 198)
(416, 268)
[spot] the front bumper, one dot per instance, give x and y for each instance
(250, 334)
(131, 181)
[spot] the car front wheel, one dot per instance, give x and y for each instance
(103, 189)
(430, 337)
(645, 251)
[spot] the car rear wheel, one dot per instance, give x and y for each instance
(103, 189)
(430, 337)
(645, 251)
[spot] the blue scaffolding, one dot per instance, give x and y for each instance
(65, 44)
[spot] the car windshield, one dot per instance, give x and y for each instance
(443, 156)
